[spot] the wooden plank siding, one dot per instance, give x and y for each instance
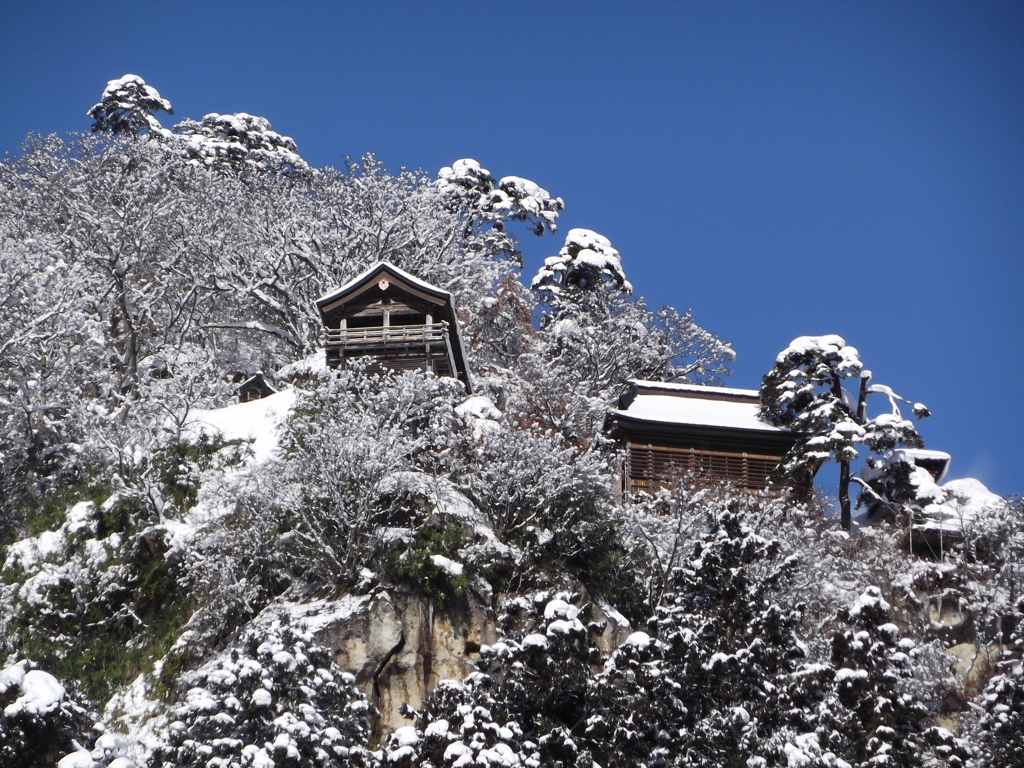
(650, 467)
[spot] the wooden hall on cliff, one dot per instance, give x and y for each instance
(397, 319)
(669, 430)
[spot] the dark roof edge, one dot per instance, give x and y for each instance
(370, 273)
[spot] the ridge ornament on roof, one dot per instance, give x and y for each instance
(398, 319)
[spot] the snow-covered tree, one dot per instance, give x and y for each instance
(804, 393)
(274, 698)
(127, 105)
(39, 722)
(999, 725)
(527, 705)
(728, 650)
(354, 430)
(593, 337)
(585, 262)
(880, 722)
(493, 201)
(225, 141)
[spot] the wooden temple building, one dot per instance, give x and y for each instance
(401, 321)
(670, 430)
(254, 388)
(935, 463)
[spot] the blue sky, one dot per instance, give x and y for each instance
(781, 168)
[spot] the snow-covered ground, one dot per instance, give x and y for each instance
(255, 422)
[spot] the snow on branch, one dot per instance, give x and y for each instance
(126, 106)
(586, 261)
(513, 197)
(221, 141)
(253, 325)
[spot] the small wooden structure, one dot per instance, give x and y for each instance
(935, 463)
(670, 430)
(254, 388)
(400, 320)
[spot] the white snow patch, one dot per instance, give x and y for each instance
(560, 609)
(406, 736)
(311, 367)
(11, 677)
(966, 501)
(447, 565)
(563, 627)
(436, 728)
(535, 641)
(401, 754)
(81, 758)
(438, 491)
(850, 674)
(480, 414)
(612, 614)
(255, 422)
(638, 639)
(40, 693)
(871, 598)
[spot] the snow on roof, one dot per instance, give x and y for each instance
(697, 405)
(412, 280)
(926, 453)
(967, 501)
(255, 422)
(698, 389)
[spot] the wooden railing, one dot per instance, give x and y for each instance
(426, 333)
(655, 466)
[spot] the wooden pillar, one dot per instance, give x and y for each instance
(428, 363)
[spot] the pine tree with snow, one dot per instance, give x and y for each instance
(593, 338)
(727, 645)
(494, 201)
(1000, 727)
(527, 704)
(232, 141)
(803, 392)
(879, 720)
(586, 262)
(39, 722)
(274, 698)
(127, 106)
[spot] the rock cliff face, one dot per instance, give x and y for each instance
(399, 645)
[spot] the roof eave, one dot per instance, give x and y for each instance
(367, 276)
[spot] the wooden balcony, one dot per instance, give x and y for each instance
(386, 336)
(426, 346)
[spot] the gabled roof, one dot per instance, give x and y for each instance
(692, 404)
(370, 277)
(935, 462)
(257, 382)
(700, 417)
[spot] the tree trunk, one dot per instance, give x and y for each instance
(844, 494)
(844, 466)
